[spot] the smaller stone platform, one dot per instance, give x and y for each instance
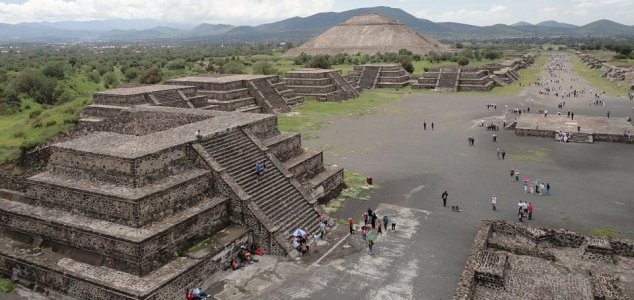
(519, 261)
(323, 84)
(581, 129)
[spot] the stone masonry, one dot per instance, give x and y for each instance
(323, 84)
(519, 261)
(120, 211)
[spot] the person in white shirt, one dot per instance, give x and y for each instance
(494, 201)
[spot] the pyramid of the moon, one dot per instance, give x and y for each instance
(369, 34)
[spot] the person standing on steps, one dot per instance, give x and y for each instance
(258, 170)
(444, 198)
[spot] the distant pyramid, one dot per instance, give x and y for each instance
(369, 34)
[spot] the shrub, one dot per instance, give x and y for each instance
(152, 75)
(51, 123)
(233, 67)
(176, 64)
(35, 113)
(111, 80)
(408, 66)
(94, 76)
(463, 61)
(36, 85)
(131, 74)
(320, 62)
(264, 68)
(54, 70)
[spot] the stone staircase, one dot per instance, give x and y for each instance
(273, 98)
(171, 98)
(289, 95)
(368, 77)
(447, 82)
(273, 193)
(344, 85)
(237, 99)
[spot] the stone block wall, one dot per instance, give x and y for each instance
(309, 167)
(129, 212)
(28, 270)
(287, 148)
(137, 257)
(122, 100)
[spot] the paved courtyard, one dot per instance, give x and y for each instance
(591, 187)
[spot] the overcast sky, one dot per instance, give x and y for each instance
(254, 12)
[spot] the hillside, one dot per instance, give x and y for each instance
(296, 29)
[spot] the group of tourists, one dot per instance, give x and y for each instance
(372, 223)
(525, 210)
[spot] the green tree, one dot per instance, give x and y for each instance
(407, 65)
(54, 70)
(176, 64)
(94, 76)
(152, 75)
(131, 74)
(37, 86)
(463, 61)
(320, 62)
(233, 67)
(264, 68)
(111, 80)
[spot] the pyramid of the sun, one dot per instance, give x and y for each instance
(368, 34)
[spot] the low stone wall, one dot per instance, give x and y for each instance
(313, 89)
(226, 94)
(309, 167)
(534, 132)
(308, 81)
(300, 74)
(490, 268)
(605, 286)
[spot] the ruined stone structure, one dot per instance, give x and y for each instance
(378, 75)
(120, 212)
(454, 79)
(323, 84)
(622, 75)
(518, 261)
(369, 34)
(242, 93)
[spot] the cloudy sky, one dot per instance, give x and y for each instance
(253, 12)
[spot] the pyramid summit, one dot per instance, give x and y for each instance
(369, 34)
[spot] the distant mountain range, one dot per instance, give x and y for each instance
(293, 29)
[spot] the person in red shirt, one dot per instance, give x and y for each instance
(530, 211)
(351, 225)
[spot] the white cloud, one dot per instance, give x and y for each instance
(495, 14)
(191, 11)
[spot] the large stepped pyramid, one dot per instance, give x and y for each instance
(120, 210)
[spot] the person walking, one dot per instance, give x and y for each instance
(512, 175)
(548, 189)
(494, 201)
(503, 154)
(444, 198)
(432, 125)
(370, 245)
(258, 170)
(530, 211)
(374, 217)
(379, 227)
(393, 224)
(497, 153)
(385, 221)
(495, 137)
(351, 225)
(424, 125)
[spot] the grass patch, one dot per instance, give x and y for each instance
(6, 285)
(604, 232)
(593, 76)
(313, 114)
(542, 155)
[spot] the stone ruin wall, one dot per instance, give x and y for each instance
(482, 268)
(81, 287)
